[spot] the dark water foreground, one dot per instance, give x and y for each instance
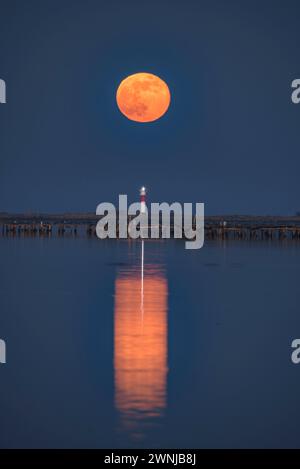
(115, 344)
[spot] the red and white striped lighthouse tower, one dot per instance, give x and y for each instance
(143, 199)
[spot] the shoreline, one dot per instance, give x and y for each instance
(226, 227)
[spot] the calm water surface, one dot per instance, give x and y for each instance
(123, 344)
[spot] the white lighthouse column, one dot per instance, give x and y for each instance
(143, 199)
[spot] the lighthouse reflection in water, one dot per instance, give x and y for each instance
(140, 346)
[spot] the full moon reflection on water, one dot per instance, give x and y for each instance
(140, 346)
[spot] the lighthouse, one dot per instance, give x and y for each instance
(143, 199)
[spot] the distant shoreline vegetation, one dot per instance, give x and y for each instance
(78, 217)
(216, 227)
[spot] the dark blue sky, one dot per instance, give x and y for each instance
(230, 138)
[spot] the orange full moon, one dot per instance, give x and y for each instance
(143, 97)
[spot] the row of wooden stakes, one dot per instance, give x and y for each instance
(212, 231)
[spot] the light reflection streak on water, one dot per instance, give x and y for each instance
(140, 346)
